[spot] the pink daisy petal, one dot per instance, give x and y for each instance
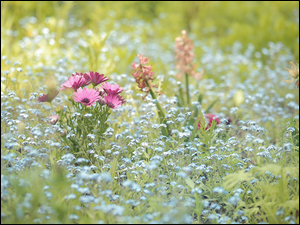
(74, 82)
(113, 101)
(95, 77)
(113, 89)
(86, 96)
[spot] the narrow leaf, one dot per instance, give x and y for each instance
(190, 182)
(211, 105)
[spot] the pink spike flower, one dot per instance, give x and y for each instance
(185, 57)
(113, 101)
(74, 82)
(86, 96)
(48, 97)
(95, 78)
(142, 72)
(113, 89)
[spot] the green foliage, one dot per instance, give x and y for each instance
(281, 193)
(290, 127)
(83, 124)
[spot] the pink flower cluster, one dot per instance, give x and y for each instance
(108, 93)
(184, 57)
(142, 73)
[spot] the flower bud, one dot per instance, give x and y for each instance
(101, 101)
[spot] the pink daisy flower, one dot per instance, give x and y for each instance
(121, 99)
(113, 89)
(74, 82)
(113, 101)
(86, 96)
(78, 74)
(83, 75)
(95, 77)
(53, 119)
(48, 97)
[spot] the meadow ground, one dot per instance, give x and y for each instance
(209, 132)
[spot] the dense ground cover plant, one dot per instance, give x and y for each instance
(82, 156)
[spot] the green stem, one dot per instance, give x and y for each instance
(181, 94)
(160, 110)
(187, 88)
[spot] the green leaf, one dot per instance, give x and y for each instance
(179, 100)
(211, 105)
(253, 210)
(195, 127)
(202, 122)
(192, 119)
(203, 132)
(236, 178)
(114, 167)
(181, 94)
(190, 182)
(200, 98)
(212, 127)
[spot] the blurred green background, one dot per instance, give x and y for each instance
(221, 22)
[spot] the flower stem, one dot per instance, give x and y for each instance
(187, 88)
(181, 94)
(160, 110)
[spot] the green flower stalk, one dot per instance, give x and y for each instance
(184, 61)
(143, 76)
(187, 88)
